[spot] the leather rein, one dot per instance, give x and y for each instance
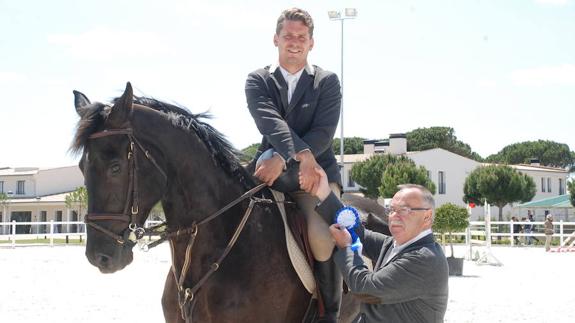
(134, 233)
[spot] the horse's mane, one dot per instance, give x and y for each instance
(222, 151)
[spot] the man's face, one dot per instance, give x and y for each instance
(406, 227)
(293, 43)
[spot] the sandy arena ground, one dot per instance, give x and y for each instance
(43, 284)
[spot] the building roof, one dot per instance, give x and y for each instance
(18, 171)
(354, 158)
(561, 201)
(528, 167)
(54, 198)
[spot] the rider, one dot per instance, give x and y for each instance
(296, 108)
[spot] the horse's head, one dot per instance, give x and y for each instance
(123, 176)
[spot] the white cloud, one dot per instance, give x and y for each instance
(553, 2)
(103, 43)
(542, 76)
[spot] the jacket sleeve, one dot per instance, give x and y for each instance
(319, 137)
(372, 241)
(268, 118)
(402, 280)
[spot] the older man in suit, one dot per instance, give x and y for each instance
(296, 108)
(409, 282)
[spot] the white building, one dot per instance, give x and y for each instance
(448, 171)
(36, 194)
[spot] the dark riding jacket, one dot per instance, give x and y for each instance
(309, 121)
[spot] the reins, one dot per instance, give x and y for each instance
(134, 233)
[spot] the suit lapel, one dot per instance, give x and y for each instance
(303, 83)
(277, 77)
(387, 249)
(416, 245)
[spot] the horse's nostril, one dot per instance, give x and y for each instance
(103, 260)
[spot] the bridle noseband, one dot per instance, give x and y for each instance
(133, 232)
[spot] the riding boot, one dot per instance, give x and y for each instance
(330, 285)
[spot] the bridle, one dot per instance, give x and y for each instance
(133, 232)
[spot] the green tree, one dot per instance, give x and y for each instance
(450, 218)
(369, 173)
(77, 200)
(351, 145)
(403, 172)
(571, 189)
(249, 153)
(549, 153)
(499, 185)
(439, 137)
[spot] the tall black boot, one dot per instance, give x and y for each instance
(330, 285)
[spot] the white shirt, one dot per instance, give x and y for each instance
(398, 248)
(291, 80)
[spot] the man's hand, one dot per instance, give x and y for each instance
(270, 169)
(323, 190)
(308, 176)
(340, 235)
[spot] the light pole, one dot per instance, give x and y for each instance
(348, 13)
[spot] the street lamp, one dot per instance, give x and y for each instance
(348, 13)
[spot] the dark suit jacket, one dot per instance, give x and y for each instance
(308, 122)
(411, 287)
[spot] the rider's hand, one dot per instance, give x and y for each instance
(308, 176)
(270, 169)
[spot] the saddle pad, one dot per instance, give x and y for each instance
(296, 256)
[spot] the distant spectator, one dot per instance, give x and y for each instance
(524, 229)
(548, 231)
(516, 230)
(530, 239)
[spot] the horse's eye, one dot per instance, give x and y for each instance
(115, 168)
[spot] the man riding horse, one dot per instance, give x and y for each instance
(296, 107)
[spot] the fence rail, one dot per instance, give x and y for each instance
(77, 230)
(46, 230)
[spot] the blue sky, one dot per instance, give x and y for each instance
(498, 72)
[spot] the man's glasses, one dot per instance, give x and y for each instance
(405, 210)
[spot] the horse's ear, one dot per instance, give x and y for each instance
(120, 112)
(80, 102)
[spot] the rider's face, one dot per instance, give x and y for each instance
(294, 43)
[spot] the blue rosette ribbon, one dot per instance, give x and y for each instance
(348, 217)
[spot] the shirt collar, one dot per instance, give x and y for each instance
(308, 68)
(405, 245)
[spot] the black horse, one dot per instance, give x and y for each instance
(230, 262)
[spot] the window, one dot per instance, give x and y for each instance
(58, 227)
(441, 182)
(43, 218)
(561, 188)
(20, 188)
(542, 184)
(350, 182)
(549, 184)
(1, 186)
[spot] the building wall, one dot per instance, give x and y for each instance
(58, 180)
(36, 216)
(11, 185)
(455, 169)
